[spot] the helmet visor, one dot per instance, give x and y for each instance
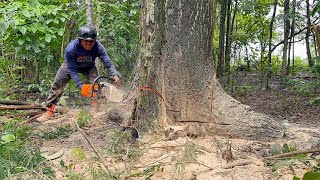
(89, 36)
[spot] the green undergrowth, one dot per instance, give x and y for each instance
(19, 156)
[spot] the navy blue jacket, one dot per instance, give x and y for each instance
(77, 58)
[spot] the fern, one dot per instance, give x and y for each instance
(17, 157)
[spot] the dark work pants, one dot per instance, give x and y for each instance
(61, 80)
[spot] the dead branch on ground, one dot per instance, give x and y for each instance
(13, 102)
(234, 164)
(30, 119)
(92, 147)
(292, 154)
(24, 107)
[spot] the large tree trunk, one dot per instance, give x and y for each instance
(176, 62)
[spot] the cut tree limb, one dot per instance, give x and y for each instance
(292, 153)
(24, 107)
(30, 119)
(58, 109)
(13, 102)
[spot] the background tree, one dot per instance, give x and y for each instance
(286, 28)
(221, 55)
(308, 33)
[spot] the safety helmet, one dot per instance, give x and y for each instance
(87, 33)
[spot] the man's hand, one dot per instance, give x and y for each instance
(116, 80)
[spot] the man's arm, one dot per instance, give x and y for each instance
(106, 60)
(72, 67)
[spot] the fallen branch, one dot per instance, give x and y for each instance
(13, 102)
(234, 164)
(21, 107)
(30, 119)
(157, 160)
(292, 153)
(93, 148)
(165, 147)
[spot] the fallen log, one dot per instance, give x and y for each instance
(58, 109)
(24, 107)
(13, 102)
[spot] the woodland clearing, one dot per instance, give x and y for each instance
(183, 155)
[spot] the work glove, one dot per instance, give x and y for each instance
(87, 88)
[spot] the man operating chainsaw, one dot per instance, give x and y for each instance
(79, 57)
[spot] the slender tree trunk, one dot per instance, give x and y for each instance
(275, 4)
(228, 38)
(291, 44)
(89, 11)
(229, 35)
(221, 57)
(284, 71)
(214, 15)
(247, 59)
(176, 62)
(293, 51)
(308, 33)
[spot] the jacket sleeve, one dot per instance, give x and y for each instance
(106, 60)
(72, 67)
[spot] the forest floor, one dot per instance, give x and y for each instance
(155, 157)
(295, 99)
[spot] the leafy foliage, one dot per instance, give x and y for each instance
(119, 27)
(18, 155)
(84, 118)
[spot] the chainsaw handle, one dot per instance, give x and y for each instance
(95, 82)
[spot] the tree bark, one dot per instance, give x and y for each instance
(284, 71)
(308, 33)
(176, 62)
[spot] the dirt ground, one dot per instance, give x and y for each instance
(155, 157)
(282, 102)
(181, 158)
